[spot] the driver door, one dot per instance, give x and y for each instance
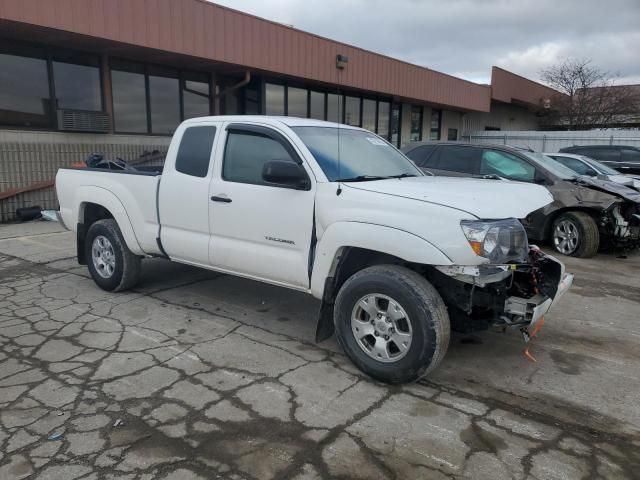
(259, 230)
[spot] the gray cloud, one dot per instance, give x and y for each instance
(466, 37)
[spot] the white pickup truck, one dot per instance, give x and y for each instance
(397, 257)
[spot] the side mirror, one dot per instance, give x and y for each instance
(286, 174)
(540, 179)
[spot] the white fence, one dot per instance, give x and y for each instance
(554, 141)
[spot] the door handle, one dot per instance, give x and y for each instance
(216, 198)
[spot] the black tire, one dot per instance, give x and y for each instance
(588, 238)
(126, 271)
(424, 307)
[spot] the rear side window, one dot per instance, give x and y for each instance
(194, 152)
(245, 156)
(605, 154)
(504, 164)
(420, 155)
(457, 159)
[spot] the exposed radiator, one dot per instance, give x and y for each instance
(81, 121)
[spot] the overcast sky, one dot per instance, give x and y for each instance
(465, 37)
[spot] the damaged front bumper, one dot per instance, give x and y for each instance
(528, 312)
(511, 295)
(621, 223)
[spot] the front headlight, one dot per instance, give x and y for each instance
(501, 241)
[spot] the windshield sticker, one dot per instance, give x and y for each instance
(377, 141)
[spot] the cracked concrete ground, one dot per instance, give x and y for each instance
(197, 375)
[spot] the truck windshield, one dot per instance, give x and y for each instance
(354, 155)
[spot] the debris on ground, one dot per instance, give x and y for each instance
(49, 215)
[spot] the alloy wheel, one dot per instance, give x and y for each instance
(381, 327)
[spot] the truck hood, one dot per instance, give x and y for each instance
(483, 198)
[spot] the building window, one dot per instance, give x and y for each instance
(164, 100)
(129, 97)
(452, 134)
(252, 98)
(435, 124)
(369, 114)
(24, 87)
(383, 119)
(297, 102)
(274, 99)
(196, 95)
(317, 105)
(77, 81)
(153, 99)
(396, 115)
(416, 123)
(352, 111)
(334, 108)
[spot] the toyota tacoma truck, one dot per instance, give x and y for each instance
(397, 257)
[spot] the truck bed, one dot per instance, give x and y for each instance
(130, 196)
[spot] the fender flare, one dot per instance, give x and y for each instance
(105, 198)
(378, 238)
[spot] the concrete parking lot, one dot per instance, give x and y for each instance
(196, 374)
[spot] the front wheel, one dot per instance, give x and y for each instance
(392, 323)
(111, 264)
(575, 234)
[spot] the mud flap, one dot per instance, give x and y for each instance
(325, 327)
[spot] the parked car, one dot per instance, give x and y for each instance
(396, 256)
(624, 158)
(585, 212)
(583, 165)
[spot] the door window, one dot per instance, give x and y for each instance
(246, 154)
(506, 165)
(194, 153)
(458, 159)
(576, 165)
(420, 155)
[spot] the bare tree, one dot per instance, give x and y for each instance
(588, 96)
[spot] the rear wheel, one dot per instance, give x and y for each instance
(111, 264)
(391, 323)
(575, 234)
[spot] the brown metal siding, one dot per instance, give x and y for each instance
(507, 87)
(205, 30)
